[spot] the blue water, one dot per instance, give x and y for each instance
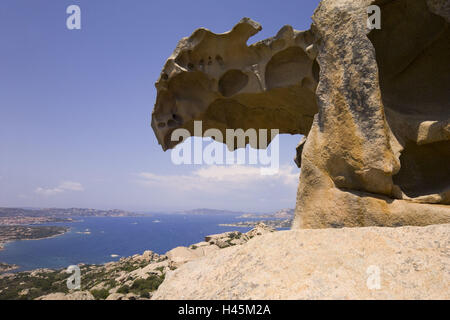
(124, 236)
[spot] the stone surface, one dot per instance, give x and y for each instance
(220, 80)
(181, 255)
(378, 150)
(259, 230)
(413, 263)
(374, 106)
(116, 296)
(77, 295)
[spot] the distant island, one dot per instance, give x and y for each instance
(276, 224)
(206, 211)
(14, 216)
(280, 214)
(280, 219)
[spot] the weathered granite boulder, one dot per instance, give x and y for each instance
(181, 255)
(378, 150)
(76, 295)
(374, 106)
(346, 263)
(259, 230)
(220, 80)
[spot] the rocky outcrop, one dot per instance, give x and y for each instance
(150, 264)
(4, 267)
(373, 105)
(220, 80)
(181, 255)
(347, 263)
(77, 295)
(378, 149)
(259, 230)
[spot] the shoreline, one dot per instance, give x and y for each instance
(6, 268)
(15, 266)
(132, 277)
(277, 224)
(2, 244)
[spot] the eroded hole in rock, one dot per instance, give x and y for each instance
(414, 72)
(425, 169)
(232, 82)
(219, 60)
(177, 118)
(316, 71)
(287, 67)
(221, 80)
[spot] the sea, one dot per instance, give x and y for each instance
(97, 240)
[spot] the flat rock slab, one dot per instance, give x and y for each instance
(409, 262)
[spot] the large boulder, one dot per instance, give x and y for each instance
(378, 150)
(218, 79)
(181, 255)
(374, 106)
(347, 263)
(259, 230)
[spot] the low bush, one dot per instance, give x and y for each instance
(100, 294)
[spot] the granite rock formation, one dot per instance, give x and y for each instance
(77, 295)
(220, 80)
(373, 105)
(360, 263)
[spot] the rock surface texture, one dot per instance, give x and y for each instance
(77, 295)
(410, 263)
(374, 106)
(218, 79)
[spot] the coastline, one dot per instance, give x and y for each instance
(22, 261)
(11, 267)
(277, 224)
(2, 244)
(5, 267)
(49, 237)
(132, 277)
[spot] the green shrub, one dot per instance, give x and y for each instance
(100, 294)
(160, 269)
(111, 283)
(144, 286)
(124, 289)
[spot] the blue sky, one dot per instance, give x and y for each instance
(75, 106)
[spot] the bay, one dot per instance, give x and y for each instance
(92, 240)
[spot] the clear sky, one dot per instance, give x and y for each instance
(75, 106)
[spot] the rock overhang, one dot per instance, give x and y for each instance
(375, 112)
(220, 80)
